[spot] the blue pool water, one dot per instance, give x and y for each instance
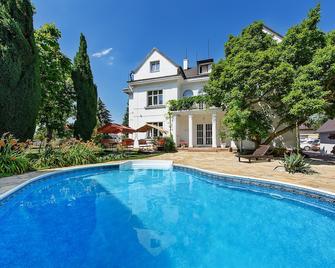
(159, 218)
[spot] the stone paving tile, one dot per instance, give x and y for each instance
(226, 162)
(8, 183)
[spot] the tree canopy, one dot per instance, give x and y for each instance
(268, 87)
(125, 120)
(103, 114)
(86, 92)
(19, 79)
(57, 94)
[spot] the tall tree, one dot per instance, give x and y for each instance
(103, 114)
(19, 79)
(268, 88)
(86, 92)
(125, 121)
(57, 102)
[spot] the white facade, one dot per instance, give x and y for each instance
(167, 68)
(326, 143)
(172, 81)
(157, 81)
(327, 136)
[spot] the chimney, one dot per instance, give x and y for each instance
(185, 64)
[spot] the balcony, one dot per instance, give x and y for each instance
(190, 103)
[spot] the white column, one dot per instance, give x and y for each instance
(174, 128)
(136, 142)
(214, 134)
(190, 131)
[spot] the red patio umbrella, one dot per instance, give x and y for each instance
(115, 129)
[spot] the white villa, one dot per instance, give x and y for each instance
(156, 81)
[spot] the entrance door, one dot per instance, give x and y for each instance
(208, 134)
(204, 134)
(200, 134)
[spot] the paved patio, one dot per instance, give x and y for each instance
(9, 183)
(226, 162)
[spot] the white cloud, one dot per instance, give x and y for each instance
(111, 60)
(102, 53)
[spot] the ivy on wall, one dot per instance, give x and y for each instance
(187, 103)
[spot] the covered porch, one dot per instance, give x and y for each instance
(197, 128)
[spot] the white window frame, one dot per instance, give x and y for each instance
(155, 98)
(208, 134)
(204, 134)
(154, 66)
(153, 133)
(209, 68)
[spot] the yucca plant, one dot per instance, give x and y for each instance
(296, 163)
(13, 159)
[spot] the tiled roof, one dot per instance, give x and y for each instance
(193, 72)
(329, 126)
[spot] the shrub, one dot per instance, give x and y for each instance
(71, 153)
(279, 151)
(169, 145)
(50, 157)
(295, 163)
(80, 153)
(13, 159)
(186, 103)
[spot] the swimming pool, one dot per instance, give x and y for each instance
(111, 217)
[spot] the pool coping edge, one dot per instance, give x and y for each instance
(284, 186)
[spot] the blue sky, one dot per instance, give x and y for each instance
(127, 30)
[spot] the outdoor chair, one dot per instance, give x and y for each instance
(160, 143)
(142, 142)
(259, 153)
(127, 143)
(183, 144)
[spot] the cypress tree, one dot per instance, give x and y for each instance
(125, 120)
(19, 73)
(86, 92)
(104, 115)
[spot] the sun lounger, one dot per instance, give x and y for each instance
(259, 153)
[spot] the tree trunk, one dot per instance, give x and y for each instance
(297, 137)
(257, 141)
(49, 135)
(274, 135)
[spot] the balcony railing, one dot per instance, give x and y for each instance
(190, 103)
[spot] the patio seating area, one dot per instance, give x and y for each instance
(116, 135)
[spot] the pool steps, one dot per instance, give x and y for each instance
(146, 164)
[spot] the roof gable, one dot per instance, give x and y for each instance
(329, 126)
(167, 66)
(148, 56)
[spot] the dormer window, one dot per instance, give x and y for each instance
(154, 66)
(205, 68)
